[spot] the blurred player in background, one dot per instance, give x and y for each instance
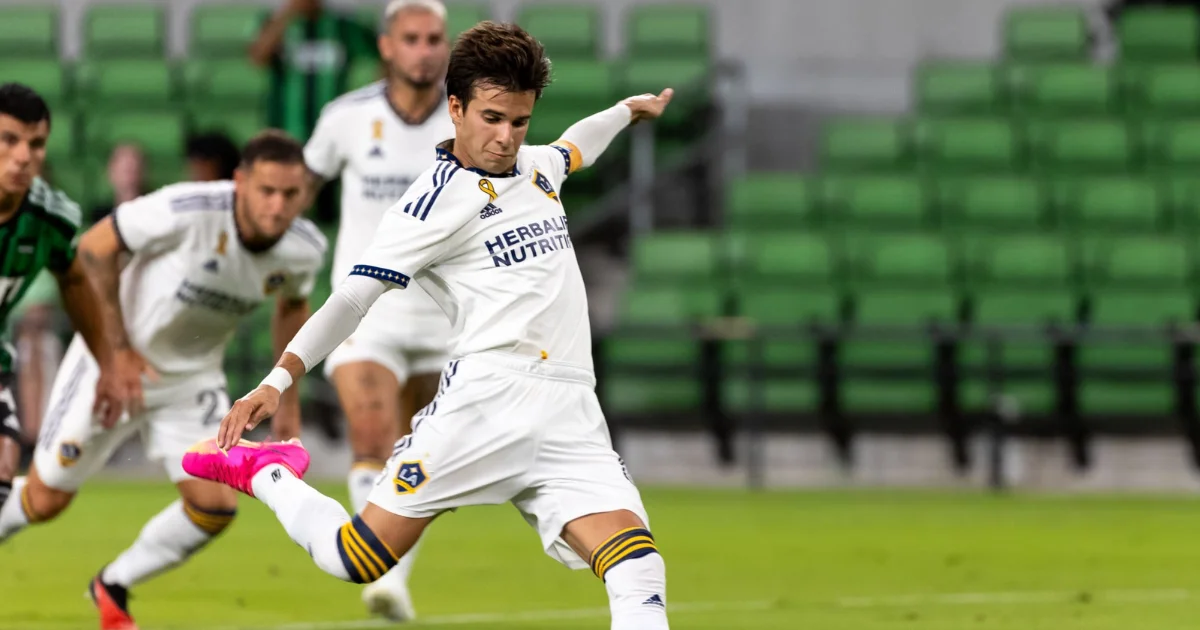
(378, 140)
(38, 226)
(516, 418)
(204, 256)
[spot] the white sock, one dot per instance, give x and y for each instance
(164, 543)
(12, 515)
(360, 481)
(637, 593)
(310, 518)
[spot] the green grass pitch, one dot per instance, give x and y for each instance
(735, 560)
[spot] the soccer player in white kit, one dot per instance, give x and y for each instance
(517, 418)
(378, 140)
(204, 256)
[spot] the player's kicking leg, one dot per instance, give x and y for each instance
(358, 549)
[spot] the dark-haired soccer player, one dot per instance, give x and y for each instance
(204, 256)
(516, 418)
(37, 230)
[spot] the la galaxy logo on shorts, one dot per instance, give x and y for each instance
(409, 477)
(69, 453)
(273, 282)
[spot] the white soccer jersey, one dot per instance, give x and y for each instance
(494, 252)
(191, 280)
(378, 156)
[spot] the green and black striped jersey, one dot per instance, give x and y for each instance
(40, 235)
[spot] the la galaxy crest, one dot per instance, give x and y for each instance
(69, 453)
(409, 477)
(543, 183)
(273, 282)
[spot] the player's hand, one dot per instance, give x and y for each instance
(119, 387)
(246, 413)
(648, 106)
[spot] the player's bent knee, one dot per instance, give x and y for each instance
(43, 503)
(361, 555)
(210, 520)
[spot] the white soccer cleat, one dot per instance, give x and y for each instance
(388, 597)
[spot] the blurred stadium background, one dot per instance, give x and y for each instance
(876, 243)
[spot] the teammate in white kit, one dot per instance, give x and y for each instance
(517, 418)
(378, 140)
(204, 256)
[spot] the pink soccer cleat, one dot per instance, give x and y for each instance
(237, 466)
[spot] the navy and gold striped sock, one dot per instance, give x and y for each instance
(211, 522)
(626, 544)
(366, 557)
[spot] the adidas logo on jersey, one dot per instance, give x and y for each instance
(654, 600)
(211, 265)
(489, 211)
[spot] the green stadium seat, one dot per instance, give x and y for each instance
(667, 30)
(1168, 90)
(1121, 204)
(589, 83)
(225, 83)
(1062, 90)
(118, 84)
(1046, 33)
(70, 175)
(778, 306)
(875, 258)
(1173, 147)
(992, 202)
(1136, 263)
(784, 259)
(1118, 395)
(124, 30)
(688, 76)
(768, 202)
(50, 77)
(551, 120)
(160, 134)
(28, 30)
(676, 386)
(1080, 147)
(1019, 261)
(676, 256)
(224, 30)
(1008, 307)
(1182, 194)
(567, 31)
(240, 125)
(1159, 34)
(875, 201)
(363, 73)
(960, 88)
(980, 145)
(864, 144)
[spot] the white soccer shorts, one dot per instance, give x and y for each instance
(405, 346)
(506, 428)
(72, 446)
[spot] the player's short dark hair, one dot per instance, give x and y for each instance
(23, 103)
(272, 145)
(497, 55)
(214, 147)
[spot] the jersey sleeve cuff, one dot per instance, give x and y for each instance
(379, 273)
(571, 155)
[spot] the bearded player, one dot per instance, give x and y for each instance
(204, 257)
(378, 140)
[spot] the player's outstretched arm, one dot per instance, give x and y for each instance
(589, 138)
(332, 324)
(290, 315)
(105, 335)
